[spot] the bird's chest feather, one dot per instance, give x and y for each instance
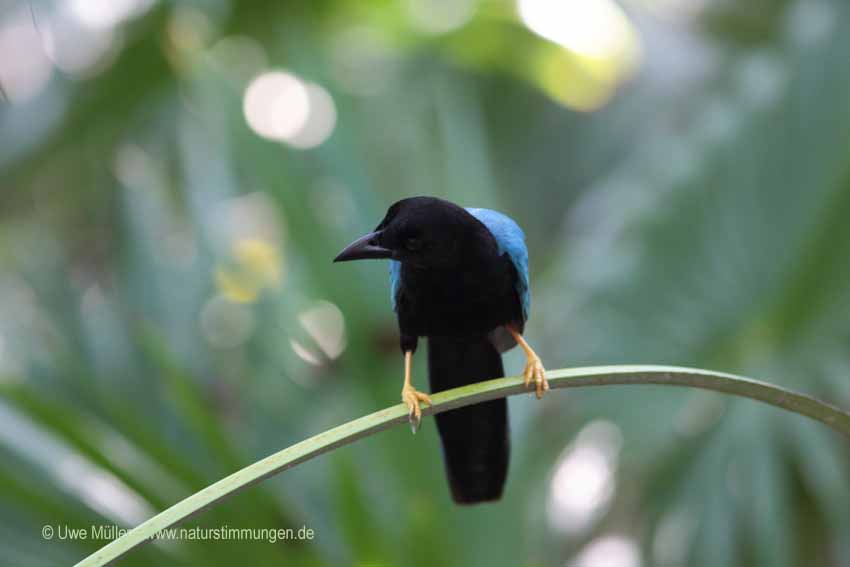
(470, 299)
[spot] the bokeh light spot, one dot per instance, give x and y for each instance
(25, 68)
(108, 13)
(440, 16)
(305, 353)
(584, 479)
(609, 551)
(280, 106)
(75, 48)
(603, 49)
(255, 266)
(325, 323)
(594, 28)
(134, 167)
(189, 29)
(276, 105)
(673, 537)
(320, 122)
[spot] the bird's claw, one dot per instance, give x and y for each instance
(534, 371)
(411, 397)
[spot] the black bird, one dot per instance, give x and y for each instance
(460, 278)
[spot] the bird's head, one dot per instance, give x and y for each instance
(424, 232)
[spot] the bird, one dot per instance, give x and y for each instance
(459, 278)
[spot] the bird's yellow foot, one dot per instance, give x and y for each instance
(533, 366)
(411, 397)
(534, 371)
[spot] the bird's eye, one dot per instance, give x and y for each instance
(413, 244)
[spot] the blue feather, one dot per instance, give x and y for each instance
(395, 280)
(511, 240)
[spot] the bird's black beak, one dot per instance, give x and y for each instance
(363, 248)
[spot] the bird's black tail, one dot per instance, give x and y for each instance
(475, 438)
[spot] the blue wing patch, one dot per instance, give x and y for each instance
(395, 280)
(511, 240)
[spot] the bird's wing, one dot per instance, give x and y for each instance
(511, 240)
(395, 281)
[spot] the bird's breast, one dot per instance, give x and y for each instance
(456, 302)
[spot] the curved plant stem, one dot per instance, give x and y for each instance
(443, 401)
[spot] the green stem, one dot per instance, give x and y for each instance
(443, 401)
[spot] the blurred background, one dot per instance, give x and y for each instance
(175, 177)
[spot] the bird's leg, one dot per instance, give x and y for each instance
(411, 396)
(533, 365)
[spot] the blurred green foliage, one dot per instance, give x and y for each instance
(170, 312)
